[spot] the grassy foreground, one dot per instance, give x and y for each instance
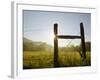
(43, 59)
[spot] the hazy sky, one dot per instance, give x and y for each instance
(38, 25)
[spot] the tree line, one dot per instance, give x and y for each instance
(29, 45)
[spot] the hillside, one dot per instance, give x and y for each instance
(29, 45)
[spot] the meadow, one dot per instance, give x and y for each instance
(44, 59)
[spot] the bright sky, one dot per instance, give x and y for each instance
(38, 25)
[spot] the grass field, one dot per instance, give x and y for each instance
(43, 59)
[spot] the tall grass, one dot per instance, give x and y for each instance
(43, 59)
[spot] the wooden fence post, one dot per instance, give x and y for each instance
(82, 37)
(55, 45)
(83, 43)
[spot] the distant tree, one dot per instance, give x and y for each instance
(88, 46)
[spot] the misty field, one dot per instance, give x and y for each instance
(44, 59)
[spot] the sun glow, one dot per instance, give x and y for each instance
(51, 39)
